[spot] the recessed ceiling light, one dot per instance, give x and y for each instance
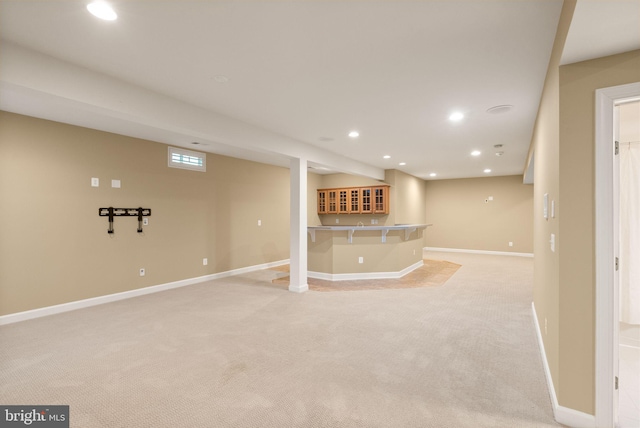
(433, 174)
(386, 157)
(354, 134)
(476, 153)
(497, 146)
(456, 117)
(487, 171)
(102, 10)
(402, 163)
(500, 109)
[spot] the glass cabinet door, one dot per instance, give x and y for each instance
(366, 201)
(343, 201)
(380, 200)
(354, 201)
(322, 202)
(332, 202)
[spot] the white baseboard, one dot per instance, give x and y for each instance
(561, 414)
(299, 288)
(364, 275)
(461, 250)
(85, 303)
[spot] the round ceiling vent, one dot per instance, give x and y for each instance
(500, 109)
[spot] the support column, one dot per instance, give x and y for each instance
(298, 231)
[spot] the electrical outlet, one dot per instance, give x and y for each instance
(145, 221)
(361, 260)
(510, 244)
(142, 272)
(373, 221)
(337, 220)
(205, 261)
(95, 182)
(259, 222)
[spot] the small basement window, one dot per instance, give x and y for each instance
(187, 159)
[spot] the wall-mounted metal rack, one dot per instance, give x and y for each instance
(124, 212)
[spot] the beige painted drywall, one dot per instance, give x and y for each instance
(313, 184)
(578, 83)
(332, 181)
(544, 147)
(332, 253)
(564, 282)
(54, 248)
(407, 200)
(463, 220)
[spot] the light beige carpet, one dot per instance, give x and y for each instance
(432, 273)
(239, 352)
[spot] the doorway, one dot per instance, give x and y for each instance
(607, 223)
(627, 131)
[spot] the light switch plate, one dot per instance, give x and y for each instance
(95, 182)
(115, 184)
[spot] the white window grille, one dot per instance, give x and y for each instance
(187, 159)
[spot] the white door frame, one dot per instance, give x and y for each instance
(606, 301)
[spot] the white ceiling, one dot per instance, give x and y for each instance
(301, 75)
(601, 28)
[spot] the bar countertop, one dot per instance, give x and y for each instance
(408, 229)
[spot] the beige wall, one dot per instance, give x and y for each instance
(332, 253)
(314, 182)
(564, 280)
(578, 83)
(463, 220)
(545, 147)
(329, 181)
(407, 200)
(54, 248)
